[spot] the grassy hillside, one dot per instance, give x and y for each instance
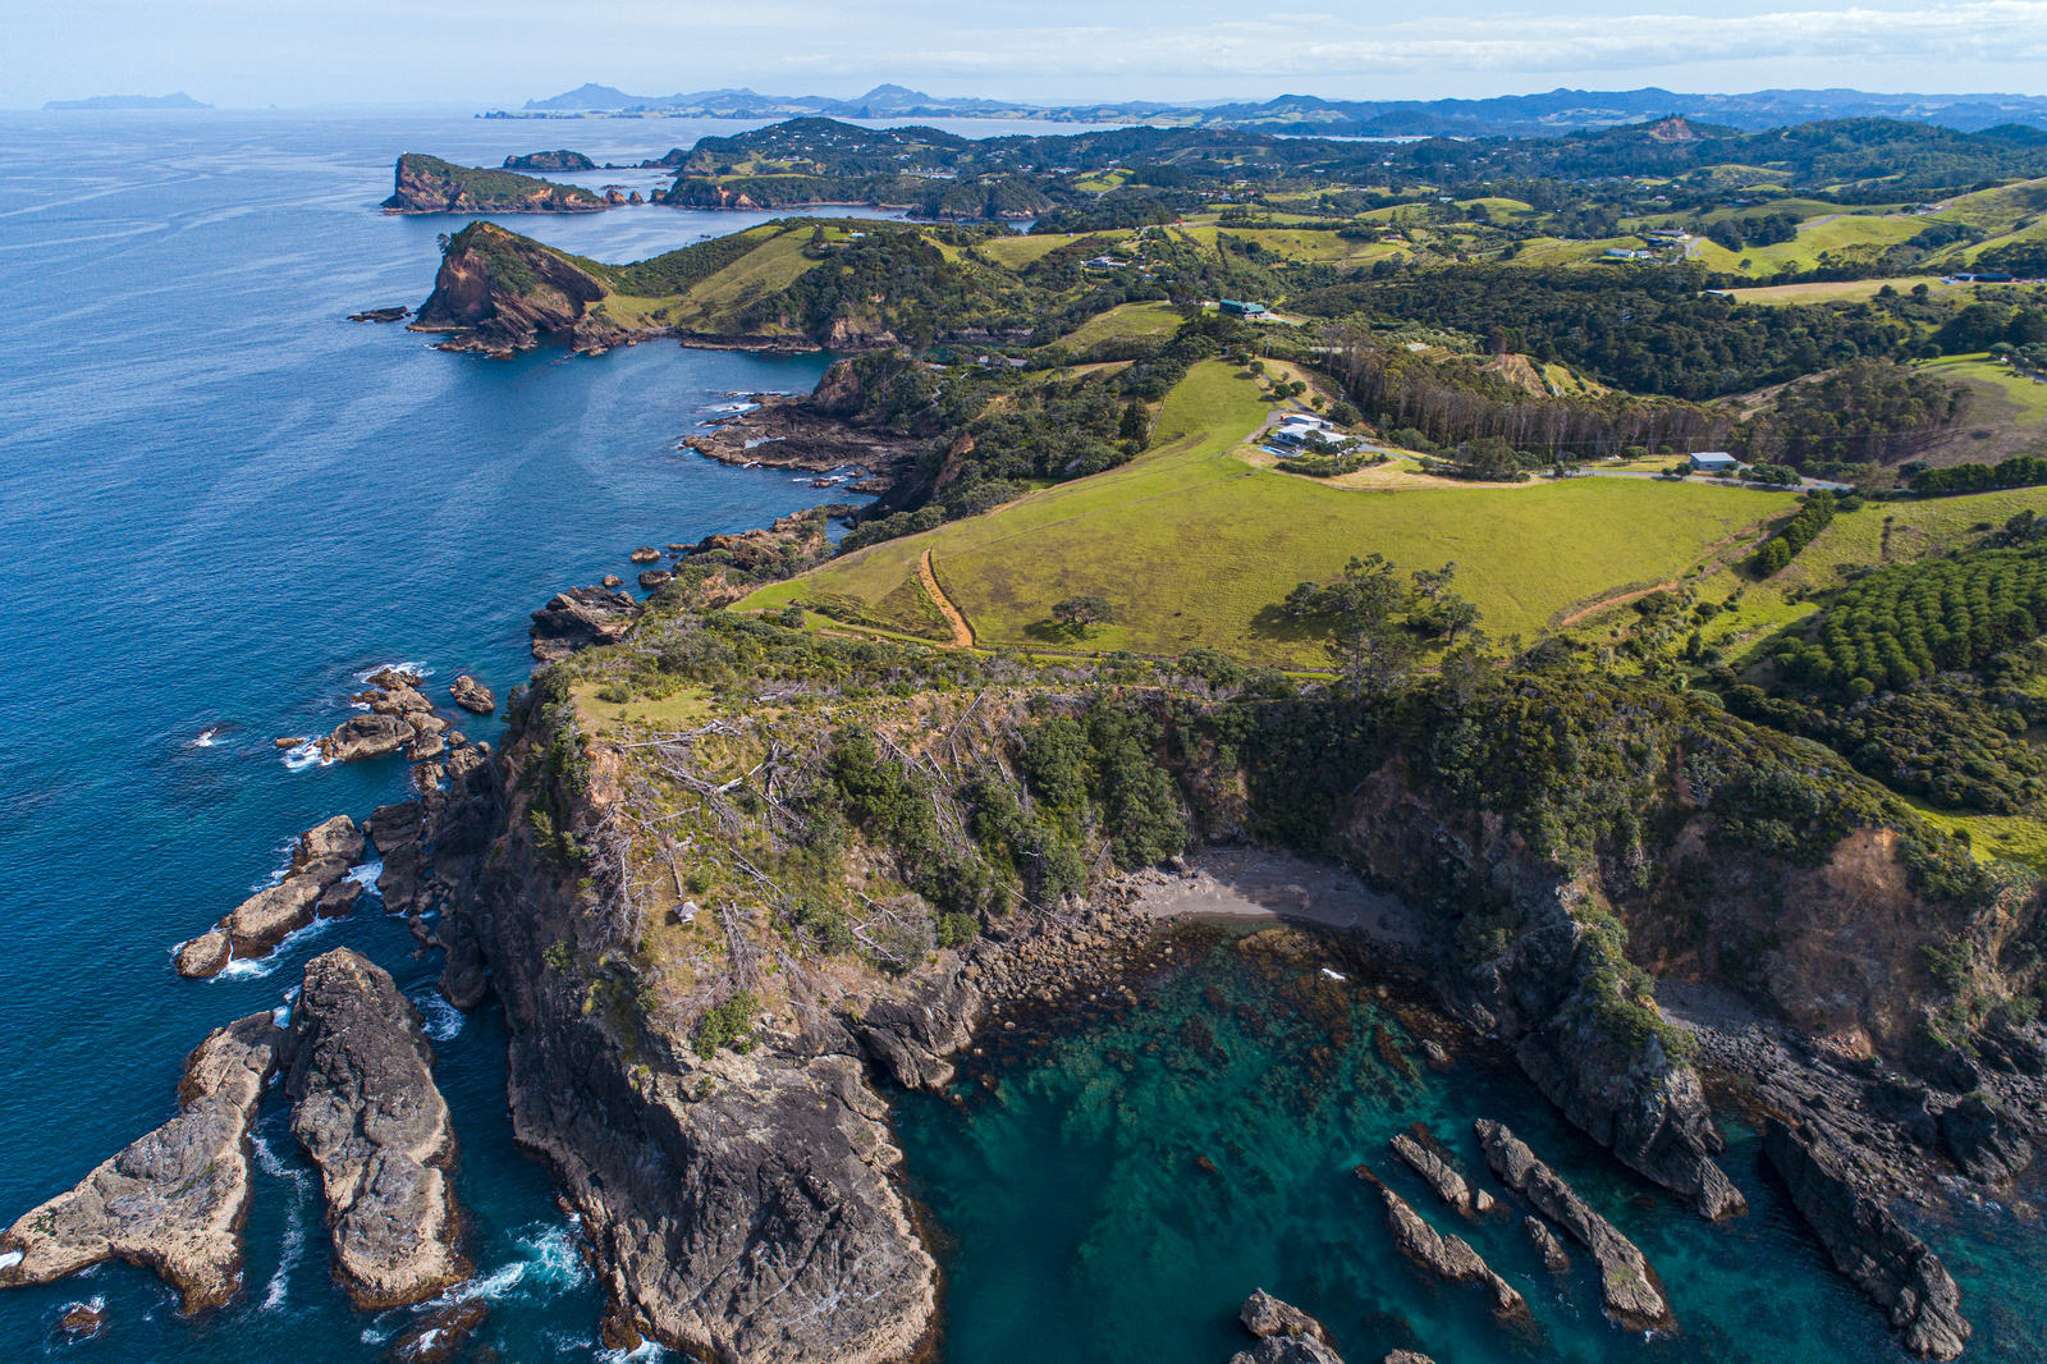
(1190, 544)
(1126, 321)
(1845, 235)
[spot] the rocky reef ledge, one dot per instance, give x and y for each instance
(1634, 1298)
(367, 1111)
(1286, 1334)
(313, 887)
(174, 1200)
(1868, 1244)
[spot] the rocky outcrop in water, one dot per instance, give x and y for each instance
(1287, 1350)
(1633, 1297)
(1450, 1258)
(560, 159)
(365, 736)
(313, 887)
(399, 831)
(579, 618)
(1265, 1316)
(393, 314)
(472, 695)
(1286, 1334)
(172, 1201)
(1427, 1157)
(1892, 1267)
(1554, 1258)
(365, 1107)
(440, 1335)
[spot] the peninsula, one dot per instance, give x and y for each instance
(1593, 590)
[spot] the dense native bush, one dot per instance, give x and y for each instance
(1874, 411)
(1656, 331)
(2021, 471)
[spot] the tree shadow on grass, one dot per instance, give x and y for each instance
(1050, 631)
(1275, 622)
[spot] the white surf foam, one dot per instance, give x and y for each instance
(255, 968)
(547, 1264)
(443, 1021)
(365, 874)
(11, 1259)
(402, 666)
(307, 754)
(279, 1288)
(207, 738)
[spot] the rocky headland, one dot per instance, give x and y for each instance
(427, 184)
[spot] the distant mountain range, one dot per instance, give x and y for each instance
(1553, 113)
(180, 100)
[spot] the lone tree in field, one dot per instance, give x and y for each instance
(1076, 614)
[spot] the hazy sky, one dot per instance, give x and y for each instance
(500, 52)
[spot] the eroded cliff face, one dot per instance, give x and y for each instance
(1546, 987)
(1840, 949)
(498, 293)
(691, 929)
(742, 1206)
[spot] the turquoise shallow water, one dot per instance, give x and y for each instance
(1069, 1177)
(220, 503)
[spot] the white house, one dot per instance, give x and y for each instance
(1713, 462)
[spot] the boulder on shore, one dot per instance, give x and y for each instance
(174, 1199)
(1448, 1257)
(1633, 1297)
(1892, 1267)
(365, 1107)
(472, 695)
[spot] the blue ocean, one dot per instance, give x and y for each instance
(222, 503)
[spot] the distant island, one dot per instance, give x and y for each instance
(177, 100)
(1550, 113)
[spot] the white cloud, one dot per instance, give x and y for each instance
(1983, 31)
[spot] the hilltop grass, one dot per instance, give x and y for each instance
(1124, 322)
(1018, 250)
(1545, 252)
(1852, 233)
(1191, 545)
(2027, 395)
